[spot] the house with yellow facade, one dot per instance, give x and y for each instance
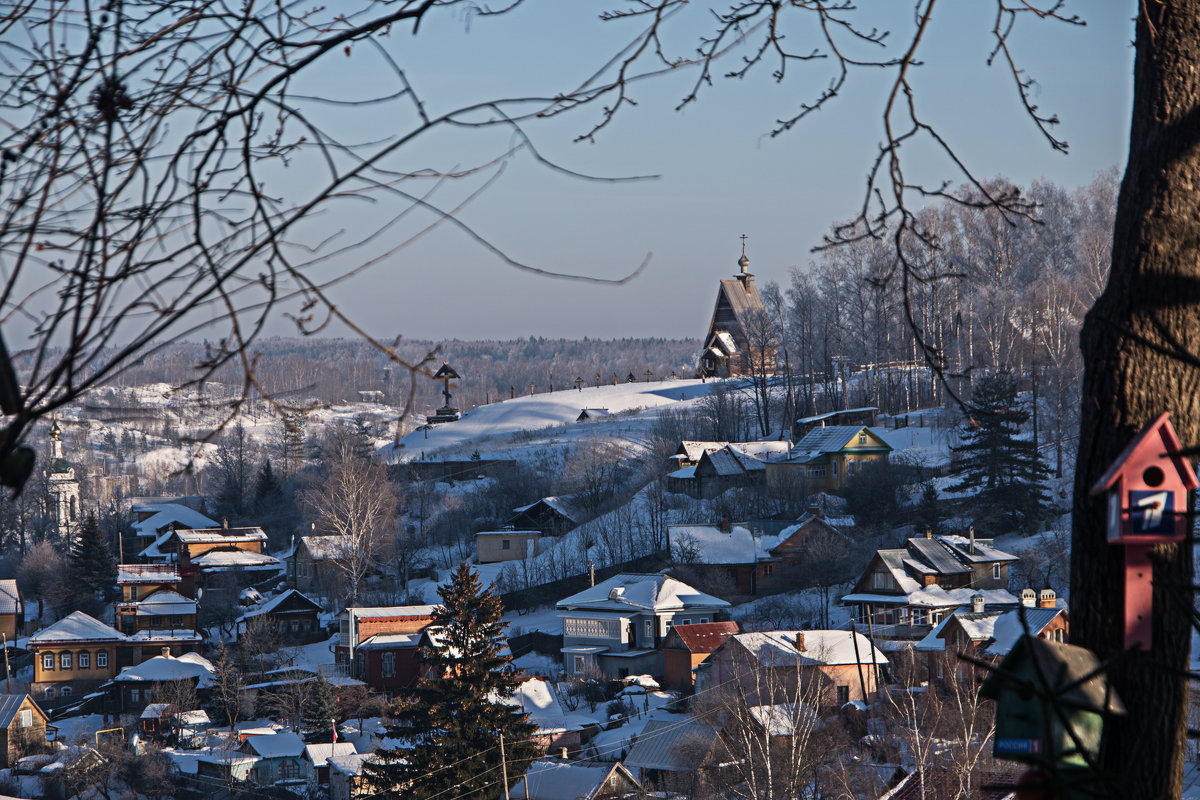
(826, 458)
(73, 656)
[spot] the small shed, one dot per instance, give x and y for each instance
(688, 646)
(22, 728)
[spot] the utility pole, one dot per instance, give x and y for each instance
(504, 767)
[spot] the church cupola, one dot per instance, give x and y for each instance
(63, 487)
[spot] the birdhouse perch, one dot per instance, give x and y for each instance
(1147, 488)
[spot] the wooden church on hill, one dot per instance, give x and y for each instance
(740, 333)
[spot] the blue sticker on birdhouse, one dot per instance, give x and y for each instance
(1151, 512)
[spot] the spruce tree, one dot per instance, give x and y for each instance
(320, 712)
(997, 464)
(93, 567)
(452, 726)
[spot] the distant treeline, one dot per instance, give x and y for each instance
(337, 370)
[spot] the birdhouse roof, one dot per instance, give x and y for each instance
(1069, 674)
(1159, 435)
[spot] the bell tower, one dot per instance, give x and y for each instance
(63, 487)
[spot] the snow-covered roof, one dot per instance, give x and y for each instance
(725, 340)
(166, 513)
(389, 641)
(384, 612)
(935, 597)
(784, 719)
(251, 533)
(830, 439)
(169, 668)
(147, 573)
(164, 636)
(979, 551)
(325, 547)
(1008, 628)
(165, 602)
(77, 627)
(556, 779)
(658, 745)
(10, 597)
(282, 744)
(154, 549)
(714, 546)
(693, 450)
(155, 710)
(641, 592)
(350, 763)
(539, 700)
(218, 560)
(704, 637)
(809, 648)
(560, 505)
(831, 414)
(685, 474)
(319, 754)
(275, 602)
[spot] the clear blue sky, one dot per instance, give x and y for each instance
(720, 175)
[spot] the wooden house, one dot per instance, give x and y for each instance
(197, 552)
(74, 656)
(819, 668)
(280, 758)
(22, 728)
(549, 516)
(294, 616)
(688, 646)
(12, 609)
(379, 645)
(828, 457)
(312, 565)
(616, 627)
(348, 780)
(848, 416)
(904, 592)
(317, 756)
(734, 466)
(740, 339)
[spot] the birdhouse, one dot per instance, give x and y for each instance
(1046, 712)
(1147, 488)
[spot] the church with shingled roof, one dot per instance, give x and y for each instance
(740, 333)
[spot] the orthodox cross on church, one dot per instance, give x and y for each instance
(743, 244)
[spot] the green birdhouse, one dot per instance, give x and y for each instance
(1051, 703)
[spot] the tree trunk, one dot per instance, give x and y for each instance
(1150, 307)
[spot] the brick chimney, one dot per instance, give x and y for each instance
(225, 523)
(166, 652)
(1047, 599)
(971, 538)
(929, 533)
(815, 510)
(800, 641)
(725, 526)
(1028, 598)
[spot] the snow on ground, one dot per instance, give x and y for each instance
(309, 656)
(497, 425)
(74, 729)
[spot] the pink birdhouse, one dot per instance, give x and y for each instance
(1147, 488)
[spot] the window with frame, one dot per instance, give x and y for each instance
(64, 660)
(703, 620)
(649, 630)
(289, 770)
(918, 617)
(862, 438)
(66, 691)
(505, 544)
(995, 572)
(389, 665)
(177, 621)
(49, 692)
(85, 660)
(133, 593)
(101, 659)
(47, 660)
(843, 695)
(935, 617)
(135, 695)
(294, 625)
(26, 718)
(666, 626)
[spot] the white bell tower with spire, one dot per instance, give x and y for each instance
(63, 487)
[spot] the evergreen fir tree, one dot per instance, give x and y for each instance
(997, 464)
(452, 727)
(93, 567)
(320, 712)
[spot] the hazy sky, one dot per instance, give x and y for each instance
(719, 174)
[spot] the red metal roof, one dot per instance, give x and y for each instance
(705, 637)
